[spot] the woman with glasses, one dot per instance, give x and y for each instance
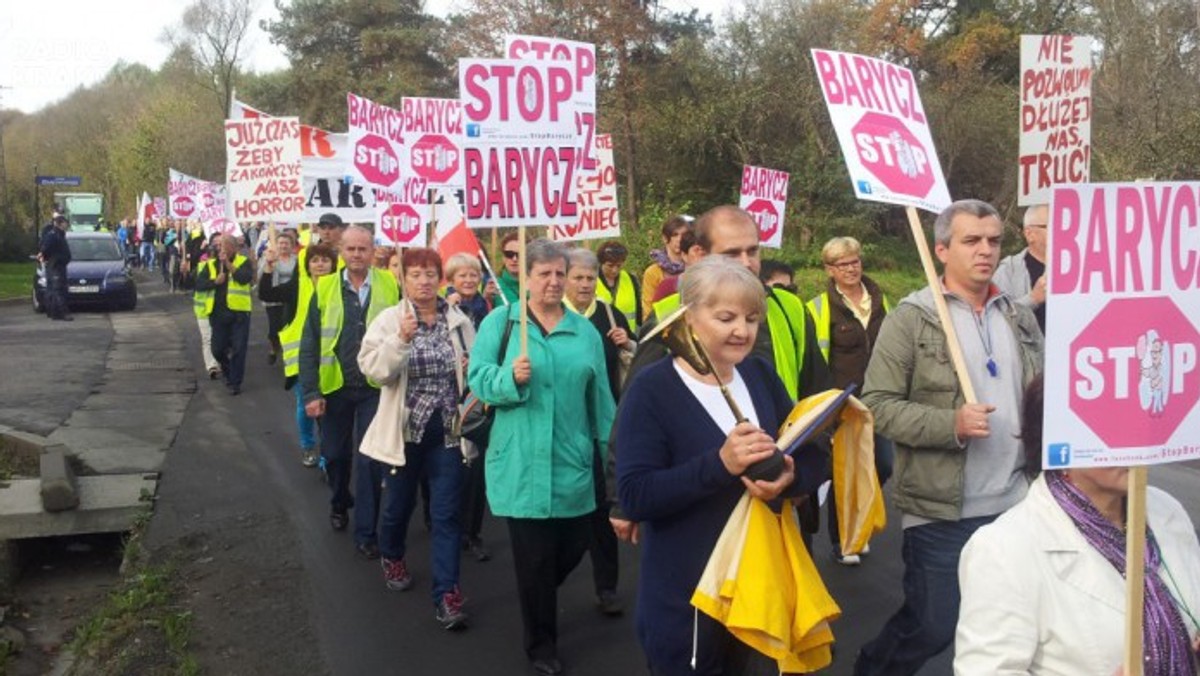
(848, 315)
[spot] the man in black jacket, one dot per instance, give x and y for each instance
(54, 253)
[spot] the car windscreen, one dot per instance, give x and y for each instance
(94, 249)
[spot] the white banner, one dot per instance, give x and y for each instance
(599, 213)
(263, 169)
(195, 199)
(1056, 115)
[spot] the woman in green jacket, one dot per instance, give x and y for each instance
(553, 414)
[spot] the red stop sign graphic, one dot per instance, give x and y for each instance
(1133, 372)
(893, 155)
(767, 217)
(376, 161)
(183, 206)
(434, 158)
(401, 223)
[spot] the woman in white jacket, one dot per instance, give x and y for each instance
(416, 351)
(1043, 586)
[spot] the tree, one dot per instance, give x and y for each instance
(212, 35)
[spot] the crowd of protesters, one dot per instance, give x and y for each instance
(597, 437)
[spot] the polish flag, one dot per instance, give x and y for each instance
(453, 235)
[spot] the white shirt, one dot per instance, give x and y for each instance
(713, 401)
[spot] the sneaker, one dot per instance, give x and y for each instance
(477, 549)
(847, 560)
(368, 550)
(395, 574)
(308, 457)
(450, 612)
(865, 550)
(213, 373)
(339, 519)
(608, 603)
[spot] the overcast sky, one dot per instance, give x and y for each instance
(48, 50)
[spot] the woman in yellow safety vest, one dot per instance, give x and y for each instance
(617, 287)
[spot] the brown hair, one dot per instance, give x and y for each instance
(320, 251)
(674, 224)
(422, 258)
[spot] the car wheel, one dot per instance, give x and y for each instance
(128, 304)
(37, 301)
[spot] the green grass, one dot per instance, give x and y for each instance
(16, 279)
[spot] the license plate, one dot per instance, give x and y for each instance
(86, 289)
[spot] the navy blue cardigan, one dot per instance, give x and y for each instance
(671, 480)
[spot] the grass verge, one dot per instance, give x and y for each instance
(16, 279)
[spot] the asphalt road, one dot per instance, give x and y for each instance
(236, 496)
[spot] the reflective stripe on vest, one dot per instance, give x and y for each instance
(626, 302)
(237, 296)
(384, 294)
(819, 306)
(289, 336)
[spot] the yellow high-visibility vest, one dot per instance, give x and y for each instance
(626, 301)
(237, 296)
(384, 294)
(289, 336)
(819, 307)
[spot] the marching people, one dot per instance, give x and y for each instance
(223, 296)
(692, 253)
(279, 263)
(417, 352)
(465, 274)
(667, 262)
(582, 274)
(1043, 587)
(848, 314)
(148, 237)
(197, 256)
(1023, 275)
(335, 389)
(54, 252)
(912, 390)
(617, 287)
(553, 410)
(312, 263)
(682, 457)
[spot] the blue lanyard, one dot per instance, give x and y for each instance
(984, 328)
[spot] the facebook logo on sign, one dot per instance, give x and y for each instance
(1059, 455)
(864, 187)
(473, 129)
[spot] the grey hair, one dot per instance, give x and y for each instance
(358, 228)
(545, 251)
(1035, 210)
(715, 277)
(581, 257)
(976, 208)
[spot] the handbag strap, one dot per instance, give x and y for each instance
(508, 324)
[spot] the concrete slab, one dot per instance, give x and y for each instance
(108, 450)
(59, 489)
(126, 400)
(107, 504)
(163, 382)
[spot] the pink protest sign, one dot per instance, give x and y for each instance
(599, 213)
(881, 126)
(1122, 379)
(263, 169)
(403, 213)
(520, 153)
(377, 146)
(764, 195)
(433, 132)
(1056, 114)
(195, 199)
(581, 56)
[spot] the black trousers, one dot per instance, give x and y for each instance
(603, 545)
(56, 292)
(474, 496)
(230, 336)
(545, 551)
(274, 326)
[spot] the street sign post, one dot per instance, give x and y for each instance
(60, 181)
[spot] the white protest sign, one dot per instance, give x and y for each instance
(582, 59)
(764, 195)
(195, 199)
(881, 126)
(1122, 378)
(377, 148)
(1056, 115)
(433, 132)
(263, 168)
(599, 214)
(520, 154)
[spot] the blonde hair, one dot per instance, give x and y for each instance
(460, 261)
(717, 277)
(840, 247)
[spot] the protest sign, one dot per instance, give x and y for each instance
(433, 133)
(314, 141)
(195, 199)
(1056, 114)
(599, 214)
(881, 126)
(377, 148)
(764, 196)
(263, 168)
(403, 215)
(160, 207)
(582, 59)
(1121, 352)
(520, 151)
(327, 189)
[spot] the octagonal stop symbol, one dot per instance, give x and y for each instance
(434, 158)
(767, 217)
(893, 154)
(376, 161)
(400, 223)
(1133, 372)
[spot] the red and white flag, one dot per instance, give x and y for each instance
(453, 235)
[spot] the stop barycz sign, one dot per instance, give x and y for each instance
(435, 158)
(376, 161)
(1133, 375)
(767, 217)
(400, 223)
(893, 154)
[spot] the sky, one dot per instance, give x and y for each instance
(47, 51)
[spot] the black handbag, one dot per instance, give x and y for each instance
(475, 417)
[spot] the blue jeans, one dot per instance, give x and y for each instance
(924, 625)
(305, 425)
(443, 466)
(348, 413)
(148, 255)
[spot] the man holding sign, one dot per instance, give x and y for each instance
(958, 464)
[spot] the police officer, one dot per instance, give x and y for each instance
(223, 289)
(54, 253)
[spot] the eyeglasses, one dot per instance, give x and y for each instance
(511, 255)
(847, 265)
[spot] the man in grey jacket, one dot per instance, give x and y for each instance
(1023, 275)
(958, 465)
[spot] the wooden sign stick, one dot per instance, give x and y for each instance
(1135, 570)
(522, 290)
(939, 300)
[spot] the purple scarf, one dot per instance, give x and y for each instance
(1167, 647)
(669, 267)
